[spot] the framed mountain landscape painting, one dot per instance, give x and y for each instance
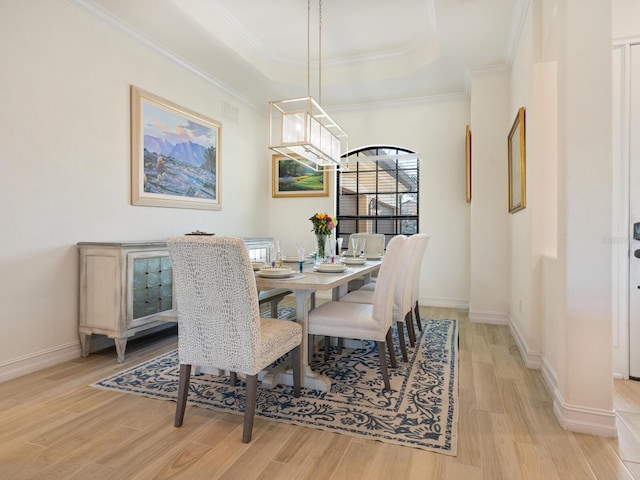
(175, 155)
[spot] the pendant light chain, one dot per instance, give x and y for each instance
(308, 47)
(320, 51)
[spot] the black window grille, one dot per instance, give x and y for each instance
(378, 193)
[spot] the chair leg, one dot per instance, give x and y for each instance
(310, 348)
(417, 310)
(408, 320)
(183, 392)
(403, 346)
(295, 358)
(327, 344)
(383, 366)
(249, 407)
(233, 379)
(340, 345)
(392, 356)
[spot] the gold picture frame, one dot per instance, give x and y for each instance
(293, 179)
(468, 162)
(175, 155)
(517, 164)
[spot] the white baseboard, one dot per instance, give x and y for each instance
(495, 318)
(31, 363)
(584, 420)
(549, 376)
(531, 358)
(444, 302)
(16, 367)
(575, 418)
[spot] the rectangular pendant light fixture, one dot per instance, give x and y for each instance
(301, 130)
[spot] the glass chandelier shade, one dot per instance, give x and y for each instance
(301, 130)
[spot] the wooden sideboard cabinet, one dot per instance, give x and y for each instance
(124, 287)
(127, 288)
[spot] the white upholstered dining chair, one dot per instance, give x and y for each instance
(219, 318)
(414, 274)
(403, 291)
(365, 321)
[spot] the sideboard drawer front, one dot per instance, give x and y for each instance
(152, 280)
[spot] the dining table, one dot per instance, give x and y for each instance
(304, 285)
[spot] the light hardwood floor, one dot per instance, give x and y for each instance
(54, 426)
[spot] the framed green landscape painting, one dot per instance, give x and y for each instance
(293, 179)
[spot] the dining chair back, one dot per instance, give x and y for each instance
(373, 243)
(414, 273)
(384, 293)
(407, 286)
(219, 317)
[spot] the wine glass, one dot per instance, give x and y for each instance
(354, 246)
(339, 252)
(361, 245)
(300, 247)
(278, 254)
(275, 254)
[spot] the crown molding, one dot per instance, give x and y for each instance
(398, 103)
(520, 16)
(105, 17)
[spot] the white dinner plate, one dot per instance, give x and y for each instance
(330, 268)
(353, 260)
(290, 259)
(275, 272)
(373, 257)
(257, 265)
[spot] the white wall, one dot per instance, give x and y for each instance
(521, 274)
(585, 220)
(560, 267)
(436, 130)
(490, 245)
(625, 19)
(65, 166)
(568, 319)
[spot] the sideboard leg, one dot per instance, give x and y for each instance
(121, 345)
(85, 343)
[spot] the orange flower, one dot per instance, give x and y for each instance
(323, 223)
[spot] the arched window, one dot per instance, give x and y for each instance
(378, 193)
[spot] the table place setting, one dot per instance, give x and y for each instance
(290, 259)
(275, 272)
(330, 267)
(347, 260)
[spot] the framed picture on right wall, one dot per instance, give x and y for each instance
(468, 162)
(517, 164)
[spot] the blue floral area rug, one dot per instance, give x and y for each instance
(419, 412)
